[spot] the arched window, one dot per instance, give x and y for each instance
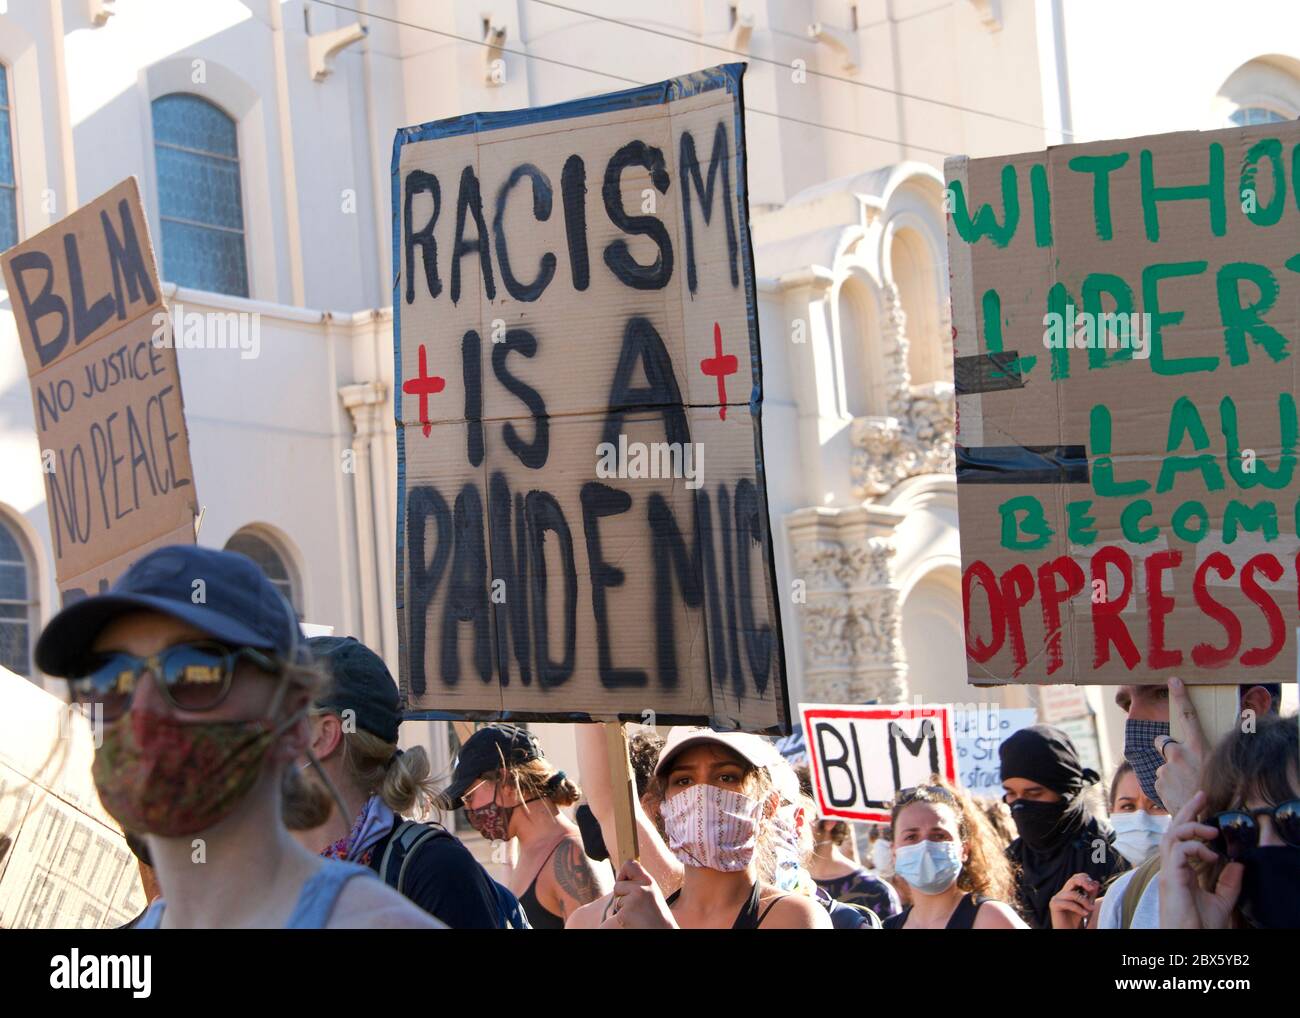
(912, 269)
(1249, 116)
(1265, 90)
(17, 603)
(272, 562)
(864, 382)
(199, 198)
(8, 182)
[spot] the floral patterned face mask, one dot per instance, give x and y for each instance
(712, 828)
(492, 821)
(158, 775)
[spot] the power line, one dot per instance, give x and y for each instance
(631, 81)
(783, 64)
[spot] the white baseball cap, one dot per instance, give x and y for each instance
(753, 748)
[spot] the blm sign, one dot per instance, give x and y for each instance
(582, 512)
(106, 389)
(1125, 321)
(860, 758)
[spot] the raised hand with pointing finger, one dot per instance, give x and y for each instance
(1177, 778)
(1185, 854)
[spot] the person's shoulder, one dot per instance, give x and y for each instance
(443, 878)
(444, 850)
(795, 911)
(1150, 893)
(575, 872)
(366, 903)
(997, 915)
(863, 877)
(1119, 882)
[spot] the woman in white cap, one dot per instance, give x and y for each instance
(718, 805)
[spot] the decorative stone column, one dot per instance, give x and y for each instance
(366, 401)
(852, 650)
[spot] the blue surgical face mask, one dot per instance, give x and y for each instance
(1138, 834)
(930, 867)
(1140, 751)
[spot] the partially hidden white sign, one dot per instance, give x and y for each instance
(979, 735)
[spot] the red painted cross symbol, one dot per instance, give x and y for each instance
(424, 386)
(720, 366)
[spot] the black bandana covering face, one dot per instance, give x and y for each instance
(1140, 751)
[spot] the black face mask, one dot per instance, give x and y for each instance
(1039, 823)
(1270, 887)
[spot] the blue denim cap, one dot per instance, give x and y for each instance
(235, 604)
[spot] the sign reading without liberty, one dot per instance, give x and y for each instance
(583, 528)
(1129, 507)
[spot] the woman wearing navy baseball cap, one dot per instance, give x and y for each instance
(198, 666)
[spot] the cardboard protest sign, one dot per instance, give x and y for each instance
(978, 734)
(105, 389)
(861, 757)
(1125, 318)
(582, 516)
(63, 861)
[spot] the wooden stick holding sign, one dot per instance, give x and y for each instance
(1216, 711)
(621, 790)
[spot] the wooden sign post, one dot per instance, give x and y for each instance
(1217, 708)
(622, 790)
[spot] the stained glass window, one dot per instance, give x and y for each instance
(8, 184)
(199, 200)
(272, 562)
(15, 605)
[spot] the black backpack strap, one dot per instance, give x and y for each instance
(406, 838)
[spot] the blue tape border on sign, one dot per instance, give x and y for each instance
(726, 76)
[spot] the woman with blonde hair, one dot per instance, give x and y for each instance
(204, 705)
(354, 736)
(509, 789)
(945, 848)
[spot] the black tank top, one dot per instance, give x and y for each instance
(539, 916)
(962, 918)
(749, 917)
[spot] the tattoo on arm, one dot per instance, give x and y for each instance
(573, 874)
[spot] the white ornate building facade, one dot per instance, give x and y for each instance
(286, 109)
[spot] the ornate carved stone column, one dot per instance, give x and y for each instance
(852, 651)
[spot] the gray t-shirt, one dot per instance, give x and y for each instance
(1147, 914)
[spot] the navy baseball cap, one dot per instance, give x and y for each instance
(486, 750)
(361, 682)
(234, 604)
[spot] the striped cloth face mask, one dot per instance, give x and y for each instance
(712, 828)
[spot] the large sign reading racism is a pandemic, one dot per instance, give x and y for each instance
(583, 527)
(1126, 314)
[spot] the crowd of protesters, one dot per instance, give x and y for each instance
(233, 741)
